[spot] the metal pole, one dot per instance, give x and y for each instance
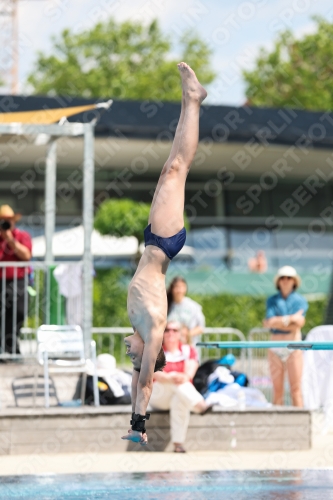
(14, 328)
(3, 310)
(95, 377)
(46, 379)
(50, 197)
(88, 214)
(15, 48)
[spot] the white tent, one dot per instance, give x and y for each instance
(69, 244)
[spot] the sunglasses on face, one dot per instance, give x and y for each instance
(286, 278)
(171, 330)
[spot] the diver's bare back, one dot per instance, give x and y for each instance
(146, 300)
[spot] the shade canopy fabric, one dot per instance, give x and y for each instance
(43, 116)
(70, 243)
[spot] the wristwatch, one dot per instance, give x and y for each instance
(286, 320)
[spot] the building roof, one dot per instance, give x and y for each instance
(152, 119)
(136, 135)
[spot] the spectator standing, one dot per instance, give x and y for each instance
(258, 264)
(185, 310)
(285, 316)
(15, 246)
(173, 388)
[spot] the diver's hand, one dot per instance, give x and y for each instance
(136, 437)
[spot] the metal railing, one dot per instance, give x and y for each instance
(110, 340)
(29, 297)
(258, 367)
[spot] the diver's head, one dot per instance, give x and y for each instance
(134, 349)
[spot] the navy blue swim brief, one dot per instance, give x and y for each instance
(171, 246)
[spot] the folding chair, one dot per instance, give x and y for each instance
(61, 350)
(30, 390)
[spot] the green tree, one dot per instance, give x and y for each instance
(297, 73)
(224, 310)
(110, 296)
(122, 218)
(129, 60)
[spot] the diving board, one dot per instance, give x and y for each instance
(303, 345)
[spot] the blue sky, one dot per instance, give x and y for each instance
(235, 29)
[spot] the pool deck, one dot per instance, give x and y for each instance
(319, 457)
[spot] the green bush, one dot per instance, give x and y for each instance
(237, 311)
(110, 296)
(246, 312)
(122, 218)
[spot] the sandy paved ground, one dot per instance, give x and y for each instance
(320, 456)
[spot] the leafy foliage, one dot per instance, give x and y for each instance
(246, 312)
(122, 218)
(129, 60)
(237, 311)
(110, 296)
(296, 73)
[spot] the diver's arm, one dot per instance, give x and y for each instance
(145, 382)
(135, 378)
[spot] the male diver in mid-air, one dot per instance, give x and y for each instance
(164, 237)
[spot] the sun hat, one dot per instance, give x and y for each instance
(287, 271)
(6, 212)
(105, 365)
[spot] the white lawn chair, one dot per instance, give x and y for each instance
(61, 350)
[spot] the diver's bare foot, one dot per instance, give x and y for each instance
(192, 89)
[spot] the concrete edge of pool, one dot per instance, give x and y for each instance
(320, 457)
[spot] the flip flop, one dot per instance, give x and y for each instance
(179, 449)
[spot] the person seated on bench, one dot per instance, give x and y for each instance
(173, 388)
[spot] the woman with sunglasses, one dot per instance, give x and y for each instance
(285, 316)
(173, 389)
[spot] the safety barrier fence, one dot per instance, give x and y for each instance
(111, 340)
(30, 296)
(253, 362)
(258, 366)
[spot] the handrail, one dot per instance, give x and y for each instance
(251, 334)
(112, 331)
(37, 263)
(258, 330)
(230, 330)
(128, 329)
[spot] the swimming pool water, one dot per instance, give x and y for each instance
(229, 485)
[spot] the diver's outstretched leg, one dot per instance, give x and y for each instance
(166, 215)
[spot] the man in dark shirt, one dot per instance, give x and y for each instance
(15, 246)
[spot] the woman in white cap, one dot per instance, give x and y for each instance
(285, 316)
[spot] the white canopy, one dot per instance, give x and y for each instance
(69, 243)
